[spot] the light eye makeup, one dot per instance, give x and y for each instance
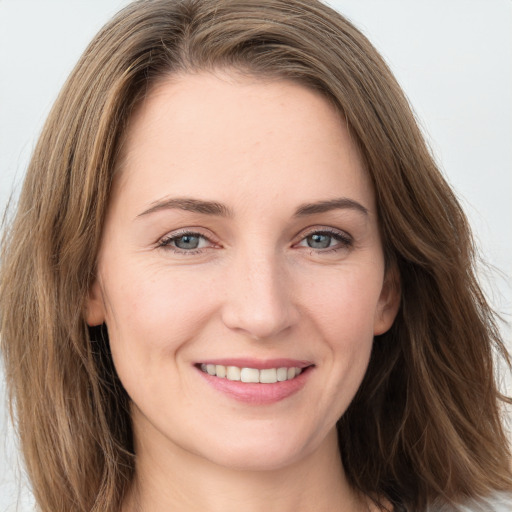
(325, 240)
(189, 242)
(186, 242)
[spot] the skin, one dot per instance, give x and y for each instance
(252, 288)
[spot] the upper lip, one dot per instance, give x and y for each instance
(259, 364)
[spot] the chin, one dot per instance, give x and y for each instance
(256, 460)
(263, 453)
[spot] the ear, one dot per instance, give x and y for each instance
(95, 305)
(389, 302)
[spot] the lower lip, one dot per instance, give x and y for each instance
(258, 394)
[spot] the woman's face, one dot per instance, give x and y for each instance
(241, 242)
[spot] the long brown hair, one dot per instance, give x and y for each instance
(424, 426)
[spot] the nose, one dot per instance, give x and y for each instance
(259, 297)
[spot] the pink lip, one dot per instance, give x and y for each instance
(258, 394)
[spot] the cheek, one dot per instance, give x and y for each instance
(345, 303)
(151, 315)
(344, 316)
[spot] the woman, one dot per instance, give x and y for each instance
(237, 278)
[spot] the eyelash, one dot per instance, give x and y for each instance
(344, 240)
(166, 242)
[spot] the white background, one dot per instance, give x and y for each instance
(453, 58)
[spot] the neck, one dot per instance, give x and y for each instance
(179, 480)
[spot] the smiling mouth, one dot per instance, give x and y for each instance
(251, 375)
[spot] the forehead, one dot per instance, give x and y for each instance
(239, 130)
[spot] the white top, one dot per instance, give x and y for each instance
(499, 502)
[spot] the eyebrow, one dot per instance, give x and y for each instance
(221, 210)
(341, 203)
(189, 205)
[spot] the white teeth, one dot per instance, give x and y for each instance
(249, 375)
(282, 374)
(265, 376)
(268, 376)
(233, 373)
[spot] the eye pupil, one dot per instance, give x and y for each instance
(319, 241)
(187, 242)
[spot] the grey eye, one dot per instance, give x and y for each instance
(187, 242)
(319, 241)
